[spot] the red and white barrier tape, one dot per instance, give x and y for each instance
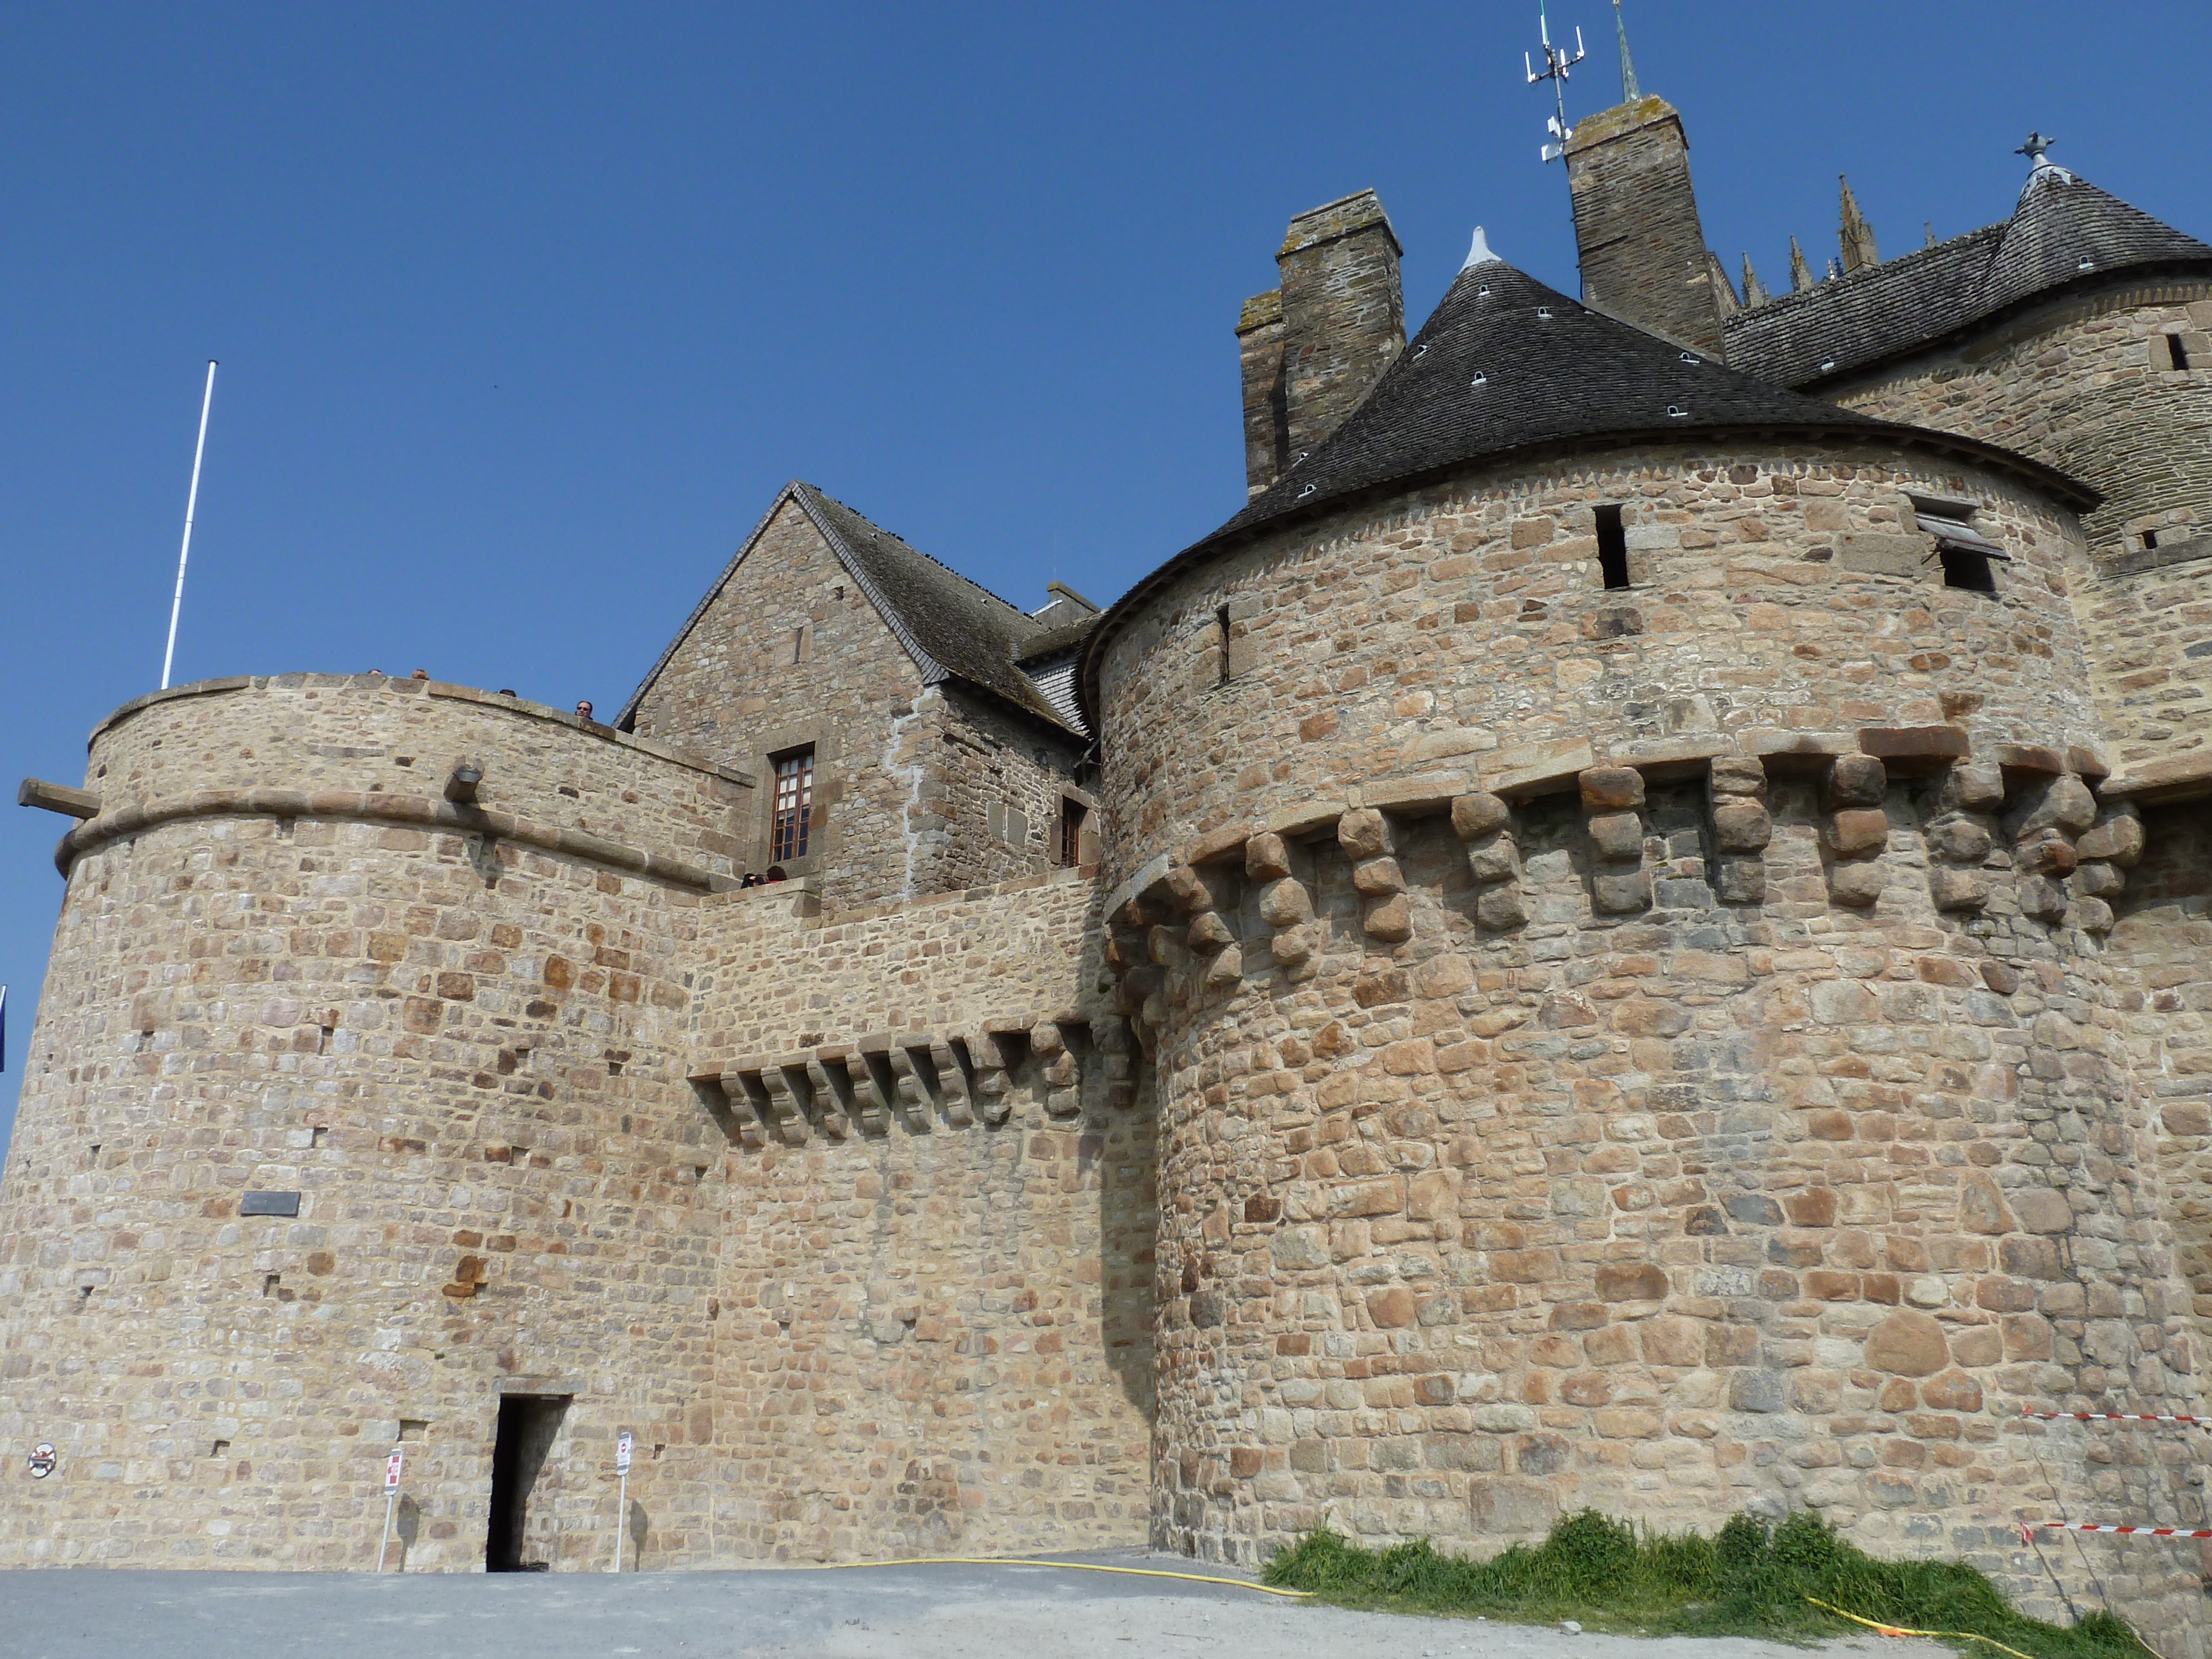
(2114, 1417)
(2092, 1526)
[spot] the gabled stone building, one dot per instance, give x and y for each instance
(1631, 930)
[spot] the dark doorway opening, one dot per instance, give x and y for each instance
(527, 1425)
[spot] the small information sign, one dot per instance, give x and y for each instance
(391, 1470)
(621, 1453)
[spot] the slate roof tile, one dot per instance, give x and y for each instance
(1908, 303)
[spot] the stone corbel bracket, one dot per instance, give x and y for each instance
(1855, 828)
(2046, 811)
(1284, 904)
(2106, 848)
(1736, 789)
(1484, 823)
(1959, 837)
(918, 1079)
(1612, 810)
(1365, 835)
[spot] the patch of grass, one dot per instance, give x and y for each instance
(1751, 1580)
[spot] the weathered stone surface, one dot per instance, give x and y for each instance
(1266, 858)
(1907, 1344)
(1854, 781)
(1364, 834)
(1479, 815)
(1742, 826)
(1617, 835)
(1857, 831)
(1612, 789)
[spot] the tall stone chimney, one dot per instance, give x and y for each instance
(1643, 253)
(1313, 347)
(1267, 421)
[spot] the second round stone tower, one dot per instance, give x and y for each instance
(1611, 879)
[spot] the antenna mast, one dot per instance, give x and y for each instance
(1556, 65)
(192, 505)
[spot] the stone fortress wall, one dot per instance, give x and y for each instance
(454, 1046)
(2089, 385)
(1653, 1048)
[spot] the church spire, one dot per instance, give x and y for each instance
(1855, 234)
(1754, 291)
(1630, 92)
(1801, 274)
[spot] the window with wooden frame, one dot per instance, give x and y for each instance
(794, 799)
(1072, 815)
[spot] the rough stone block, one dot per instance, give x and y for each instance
(1854, 781)
(1391, 921)
(1378, 878)
(1364, 834)
(1857, 830)
(1285, 903)
(1478, 815)
(1957, 889)
(1740, 881)
(1742, 826)
(1497, 859)
(1501, 909)
(1612, 789)
(1265, 858)
(1738, 775)
(1620, 892)
(1858, 883)
(1617, 837)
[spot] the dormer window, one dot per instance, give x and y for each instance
(1966, 554)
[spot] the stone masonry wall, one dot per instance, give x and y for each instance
(733, 692)
(402, 737)
(2149, 632)
(906, 775)
(1778, 602)
(937, 1247)
(2164, 935)
(1002, 778)
(2086, 385)
(1679, 1074)
(464, 1057)
(478, 1064)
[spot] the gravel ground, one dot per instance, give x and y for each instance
(1015, 1611)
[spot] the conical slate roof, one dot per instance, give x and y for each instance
(1506, 364)
(2066, 233)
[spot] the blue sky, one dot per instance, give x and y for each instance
(526, 312)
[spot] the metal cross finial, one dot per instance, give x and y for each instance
(1556, 65)
(1630, 92)
(2033, 149)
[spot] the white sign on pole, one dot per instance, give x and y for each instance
(621, 1499)
(390, 1501)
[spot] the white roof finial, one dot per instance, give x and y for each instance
(1480, 254)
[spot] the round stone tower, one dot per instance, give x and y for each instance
(1611, 878)
(356, 1114)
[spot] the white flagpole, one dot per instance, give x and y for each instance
(192, 504)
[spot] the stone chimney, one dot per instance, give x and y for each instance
(1266, 426)
(1313, 347)
(1643, 254)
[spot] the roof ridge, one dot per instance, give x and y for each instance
(1799, 297)
(958, 575)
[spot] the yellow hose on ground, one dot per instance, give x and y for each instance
(1900, 1630)
(1071, 1566)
